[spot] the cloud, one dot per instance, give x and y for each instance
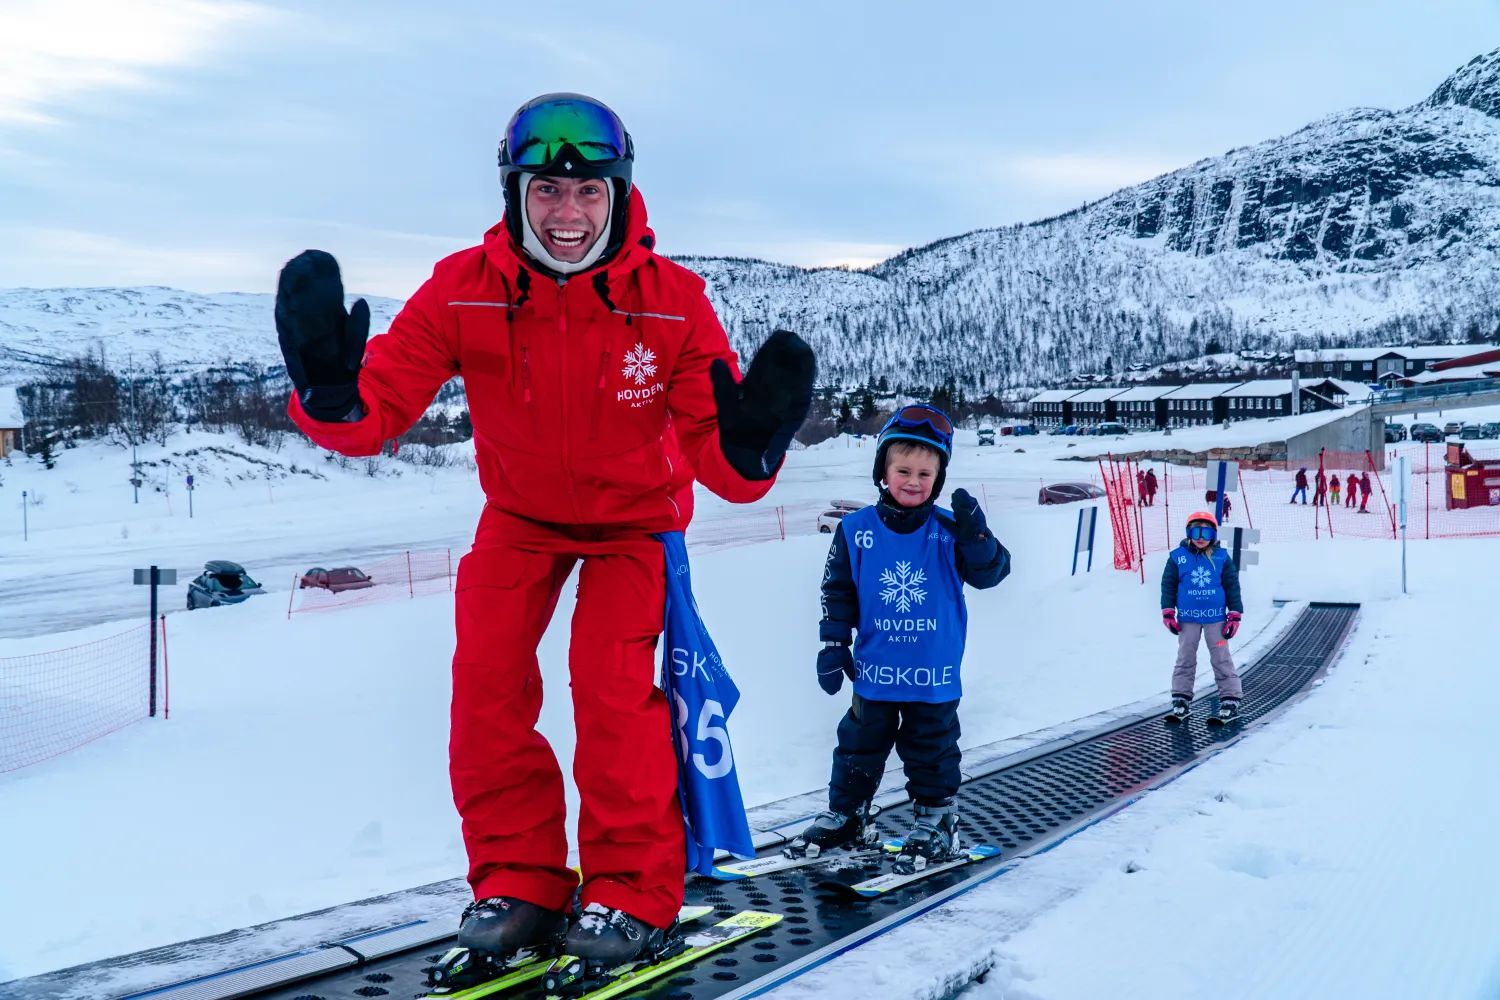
(821, 253)
(1082, 175)
(53, 256)
(54, 51)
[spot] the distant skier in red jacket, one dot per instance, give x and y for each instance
(1320, 489)
(600, 385)
(1353, 483)
(1364, 489)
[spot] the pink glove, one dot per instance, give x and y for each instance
(1169, 619)
(1232, 624)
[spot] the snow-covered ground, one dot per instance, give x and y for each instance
(1345, 850)
(305, 761)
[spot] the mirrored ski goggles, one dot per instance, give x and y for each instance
(537, 135)
(1202, 532)
(912, 417)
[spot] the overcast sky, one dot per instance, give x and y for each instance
(199, 144)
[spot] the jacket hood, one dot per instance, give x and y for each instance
(639, 242)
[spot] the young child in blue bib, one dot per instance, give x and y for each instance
(1200, 602)
(894, 622)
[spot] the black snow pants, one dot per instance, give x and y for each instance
(925, 737)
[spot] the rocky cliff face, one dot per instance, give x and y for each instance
(1363, 227)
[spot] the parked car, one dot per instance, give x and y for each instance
(1395, 432)
(986, 436)
(1492, 429)
(1072, 429)
(337, 580)
(1452, 427)
(1471, 432)
(222, 582)
(1068, 493)
(1426, 432)
(1112, 427)
(1024, 429)
(830, 518)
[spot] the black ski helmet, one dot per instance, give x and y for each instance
(921, 423)
(567, 135)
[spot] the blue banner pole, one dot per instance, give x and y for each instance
(1219, 494)
(1093, 522)
(1077, 536)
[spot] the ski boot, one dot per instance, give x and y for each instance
(832, 830)
(1179, 712)
(601, 944)
(933, 839)
(497, 936)
(1229, 711)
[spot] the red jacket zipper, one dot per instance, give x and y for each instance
(599, 391)
(562, 329)
(536, 426)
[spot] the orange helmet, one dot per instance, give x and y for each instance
(1203, 515)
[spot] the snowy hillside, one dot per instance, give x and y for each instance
(1367, 226)
(39, 327)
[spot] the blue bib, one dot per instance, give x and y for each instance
(1200, 585)
(912, 617)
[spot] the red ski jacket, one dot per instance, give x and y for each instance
(590, 397)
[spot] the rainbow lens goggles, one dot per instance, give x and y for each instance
(1202, 532)
(538, 134)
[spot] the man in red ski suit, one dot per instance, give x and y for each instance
(594, 411)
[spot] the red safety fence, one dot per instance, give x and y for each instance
(766, 524)
(408, 575)
(1345, 497)
(56, 701)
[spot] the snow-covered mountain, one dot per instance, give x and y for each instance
(1367, 226)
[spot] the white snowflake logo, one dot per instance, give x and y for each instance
(1201, 576)
(640, 363)
(903, 586)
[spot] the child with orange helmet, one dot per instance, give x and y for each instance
(1200, 600)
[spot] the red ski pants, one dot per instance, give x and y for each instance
(506, 782)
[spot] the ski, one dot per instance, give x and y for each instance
(771, 864)
(462, 974)
(568, 977)
(881, 884)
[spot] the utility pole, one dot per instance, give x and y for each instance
(135, 466)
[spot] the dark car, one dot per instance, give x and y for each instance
(986, 436)
(1023, 429)
(1395, 432)
(1068, 493)
(1492, 429)
(337, 580)
(1471, 432)
(222, 582)
(1112, 427)
(1426, 432)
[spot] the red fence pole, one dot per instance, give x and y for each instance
(450, 570)
(292, 596)
(1140, 531)
(1389, 508)
(411, 589)
(1244, 497)
(166, 676)
(1427, 477)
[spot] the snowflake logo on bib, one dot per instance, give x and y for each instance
(640, 364)
(1202, 577)
(903, 586)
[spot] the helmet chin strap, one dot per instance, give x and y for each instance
(533, 245)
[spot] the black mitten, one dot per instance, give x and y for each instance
(967, 524)
(759, 415)
(323, 345)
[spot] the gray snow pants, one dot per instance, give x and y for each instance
(1186, 669)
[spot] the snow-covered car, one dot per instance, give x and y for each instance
(830, 518)
(339, 579)
(1470, 432)
(222, 582)
(986, 436)
(1068, 493)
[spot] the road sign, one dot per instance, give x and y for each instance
(154, 577)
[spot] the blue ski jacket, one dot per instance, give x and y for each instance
(1225, 579)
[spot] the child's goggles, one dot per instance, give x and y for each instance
(1202, 532)
(916, 416)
